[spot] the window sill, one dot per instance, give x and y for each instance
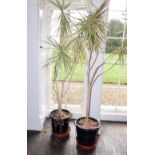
(108, 113)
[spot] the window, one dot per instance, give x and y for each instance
(114, 89)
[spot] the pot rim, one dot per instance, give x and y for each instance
(90, 128)
(70, 114)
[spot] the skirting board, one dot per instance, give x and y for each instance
(35, 122)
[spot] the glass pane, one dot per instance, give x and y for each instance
(116, 24)
(55, 23)
(111, 44)
(74, 93)
(114, 88)
(110, 93)
(119, 15)
(117, 5)
(112, 71)
(73, 89)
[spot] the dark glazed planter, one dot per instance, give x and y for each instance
(60, 128)
(87, 137)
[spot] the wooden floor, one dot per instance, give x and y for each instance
(112, 141)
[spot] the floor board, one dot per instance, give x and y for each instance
(112, 141)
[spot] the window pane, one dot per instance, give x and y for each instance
(111, 44)
(74, 93)
(110, 93)
(55, 23)
(114, 89)
(112, 73)
(117, 5)
(117, 15)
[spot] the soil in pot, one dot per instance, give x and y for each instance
(90, 123)
(60, 123)
(87, 132)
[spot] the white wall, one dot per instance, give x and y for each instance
(36, 108)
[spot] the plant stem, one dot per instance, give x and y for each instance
(88, 88)
(94, 61)
(88, 103)
(55, 88)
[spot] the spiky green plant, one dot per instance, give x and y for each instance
(63, 19)
(62, 57)
(61, 60)
(91, 30)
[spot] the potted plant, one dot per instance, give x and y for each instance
(63, 64)
(91, 34)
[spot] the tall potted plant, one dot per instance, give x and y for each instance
(63, 65)
(91, 34)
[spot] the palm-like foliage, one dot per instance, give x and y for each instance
(92, 28)
(121, 51)
(60, 58)
(63, 19)
(78, 49)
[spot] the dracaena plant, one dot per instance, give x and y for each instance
(61, 58)
(91, 31)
